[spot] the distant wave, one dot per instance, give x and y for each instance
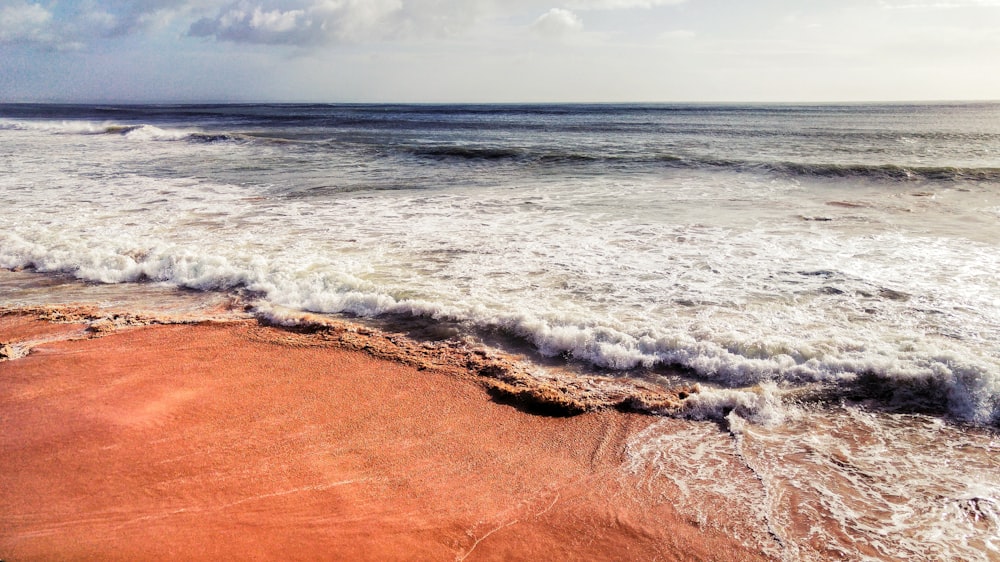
(470, 153)
(617, 155)
(137, 131)
(153, 133)
(886, 172)
(879, 172)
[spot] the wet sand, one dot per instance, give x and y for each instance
(232, 440)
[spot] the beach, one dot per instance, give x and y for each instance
(230, 440)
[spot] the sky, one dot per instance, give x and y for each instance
(499, 51)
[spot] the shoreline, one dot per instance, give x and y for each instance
(137, 437)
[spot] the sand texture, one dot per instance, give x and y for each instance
(232, 440)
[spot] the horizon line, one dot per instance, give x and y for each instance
(509, 103)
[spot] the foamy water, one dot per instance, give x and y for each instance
(837, 484)
(842, 252)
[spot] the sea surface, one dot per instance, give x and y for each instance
(828, 275)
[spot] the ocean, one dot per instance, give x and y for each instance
(827, 275)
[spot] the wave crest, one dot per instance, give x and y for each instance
(884, 172)
(133, 132)
(964, 387)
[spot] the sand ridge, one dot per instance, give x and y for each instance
(503, 376)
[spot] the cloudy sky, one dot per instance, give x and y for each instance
(499, 50)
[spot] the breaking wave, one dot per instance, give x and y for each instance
(932, 377)
(134, 132)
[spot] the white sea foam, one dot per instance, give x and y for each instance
(837, 482)
(134, 132)
(710, 477)
(55, 127)
(899, 486)
(762, 404)
(67, 127)
(152, 133)
(725, 353)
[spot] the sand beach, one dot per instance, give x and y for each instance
(227, 439)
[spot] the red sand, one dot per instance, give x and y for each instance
(233, 441)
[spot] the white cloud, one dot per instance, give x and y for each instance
(91, 19)
(316, 22)
(557, 22)
(896, 5)
(274, 21)
(71, 25)
(77, 23)
(25, 22)
(676, 35)
(619, 4)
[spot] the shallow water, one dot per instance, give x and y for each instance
(837, 483)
